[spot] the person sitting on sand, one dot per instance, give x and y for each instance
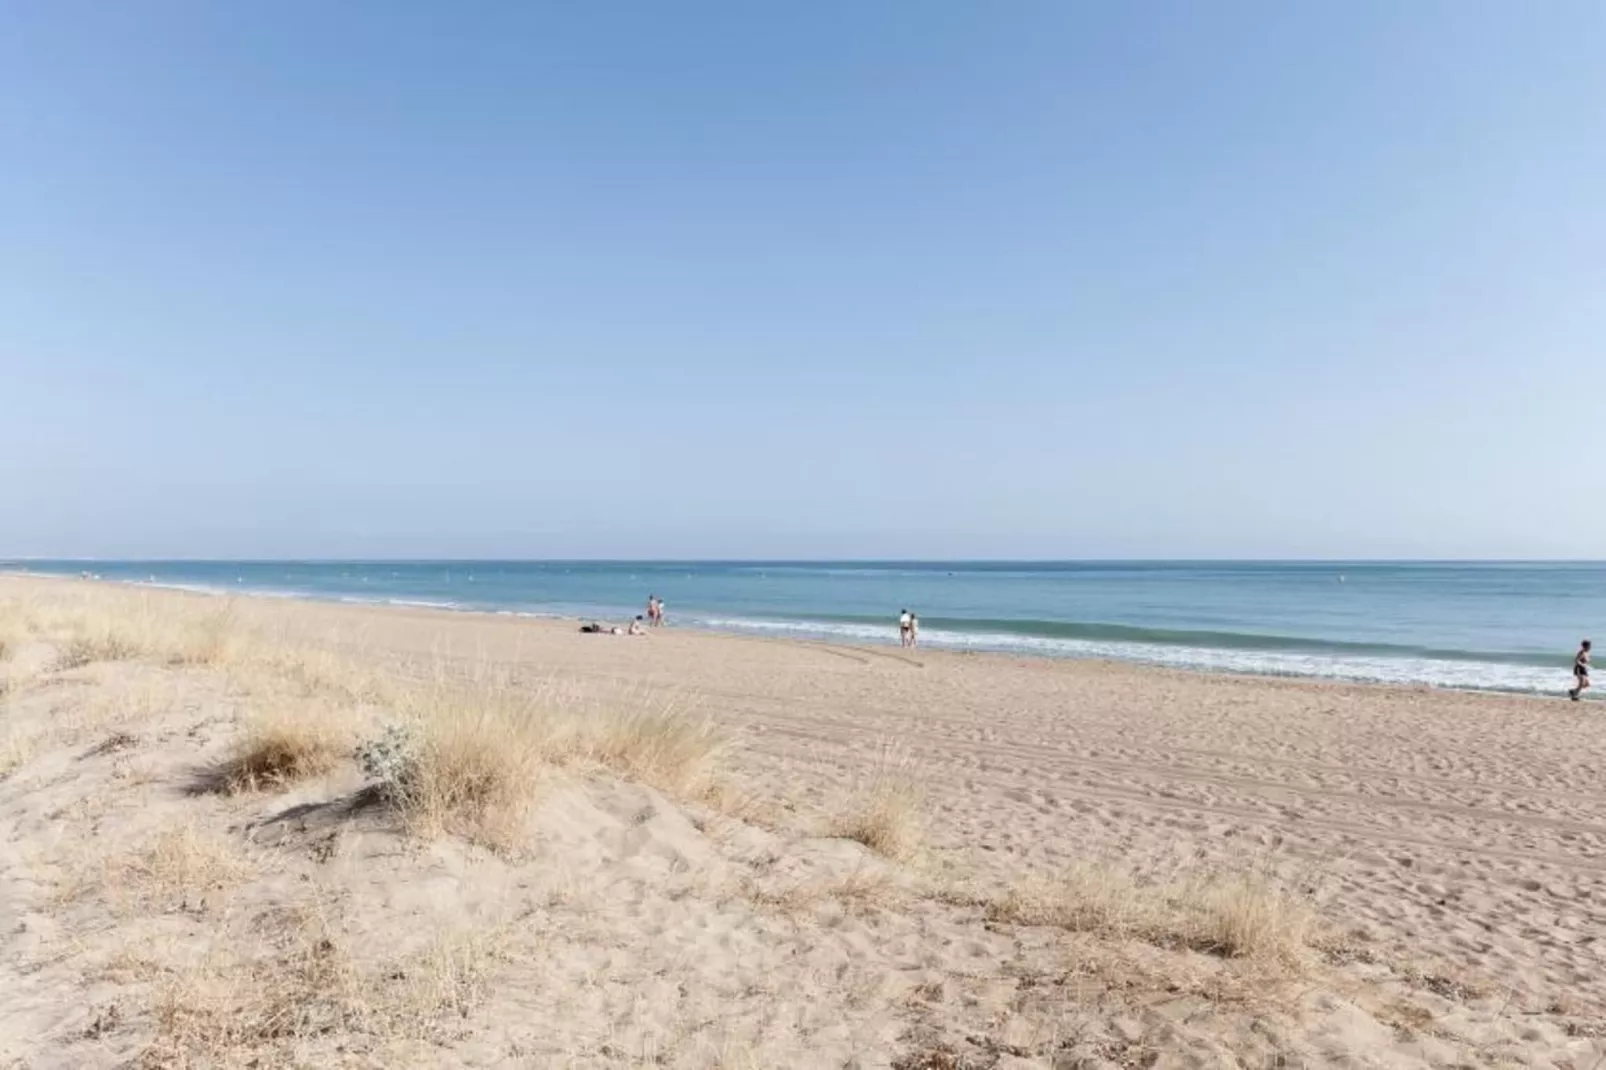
(1580, 672)
(635, 626)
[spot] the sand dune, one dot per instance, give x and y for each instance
(1091, 865)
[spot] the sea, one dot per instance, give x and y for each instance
(1495, 626)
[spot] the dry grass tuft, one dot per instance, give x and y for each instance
(1247, 915)
(1085, 898)
(479, 762)
(1238, 915)
(281, 745)
(861, 890)
(886, 814)
(661, 745)
(115, 625)
(108, 643)
(475, 753)
(16, 625)
(302, 984)
(315, 671)
(208, 639)
(15, 751)
(180, 867)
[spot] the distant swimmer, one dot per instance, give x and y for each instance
(906, 622)
(1580, 672)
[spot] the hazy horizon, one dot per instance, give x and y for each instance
(913, 561)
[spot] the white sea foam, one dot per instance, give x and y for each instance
(1404, 671)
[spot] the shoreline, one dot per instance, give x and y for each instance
(871, 648)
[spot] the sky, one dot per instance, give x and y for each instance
(1025, 279)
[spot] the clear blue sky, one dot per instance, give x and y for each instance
(819, 279)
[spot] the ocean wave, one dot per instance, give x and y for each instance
(1354, 667)
(1094, 631)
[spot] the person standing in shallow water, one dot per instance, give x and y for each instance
(1580, 672)
(904, 621)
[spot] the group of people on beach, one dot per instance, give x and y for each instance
(908, 629)
(909, 639)
(654, 618)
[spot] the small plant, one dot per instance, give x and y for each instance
(392, 762)
(886, 814)
(279, 747)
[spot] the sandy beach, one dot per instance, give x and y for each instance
(1426, 867)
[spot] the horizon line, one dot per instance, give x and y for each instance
(8, 561)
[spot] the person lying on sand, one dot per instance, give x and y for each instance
(593, 628)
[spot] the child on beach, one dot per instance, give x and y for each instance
(1580, 672)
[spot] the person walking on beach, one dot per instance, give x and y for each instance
(905, 627)
(1580, 672)
(914, 631)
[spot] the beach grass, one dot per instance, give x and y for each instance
(1238, 914)
(885, 811)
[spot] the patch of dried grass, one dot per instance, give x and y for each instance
(114, 624)
(304, 983)
(180, 867)
(101, 642)
(282, 744)
(16, 750)
(16, 625)
(210, 638)
(479, 762)
(886, 813)
(660, 744)
(481, 750)
(315, 671)
(861, 889)
(1248, 915)
(101, 711)
(1242, 914)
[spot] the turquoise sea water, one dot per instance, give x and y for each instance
(1497, 626)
